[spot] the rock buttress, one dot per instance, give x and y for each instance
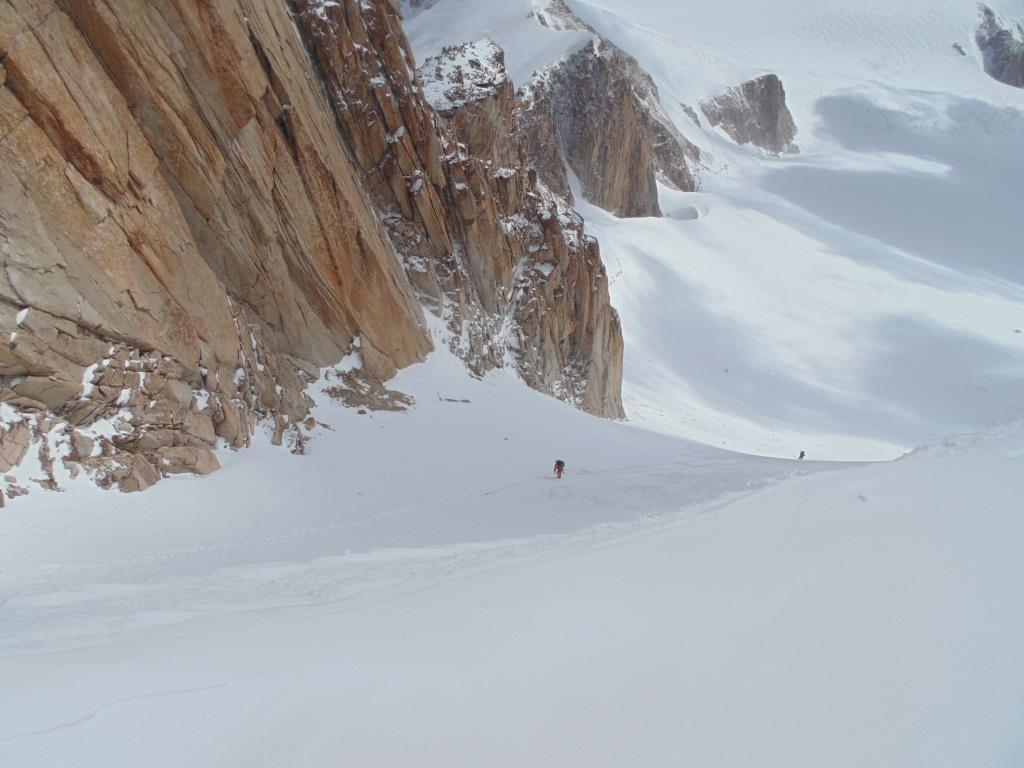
(755, 112)
(469, 216)
(173, 189)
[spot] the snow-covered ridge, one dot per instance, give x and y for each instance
(528, 31)
(462, 74)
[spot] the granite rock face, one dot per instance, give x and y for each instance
(565, 337)
(1002, 52)
(600, 126)
(465, 213)
(755, 112)
(601, 112)
(172, 184)
(203, 204)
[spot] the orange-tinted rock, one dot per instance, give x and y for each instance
(199, 207)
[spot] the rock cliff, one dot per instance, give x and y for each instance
(468, 217)
(755, 112)
(1002, 53)
(601, 111)
(203, 204)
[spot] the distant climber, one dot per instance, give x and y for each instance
(559, 468)
(802, 454)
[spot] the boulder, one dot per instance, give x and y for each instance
(229, 424)
(153, 439)
(178, 392)
(199, 426)
(15, 400)
(85, 411)
(51, 392)
(81, 446)
(153, 384)
(137, 474)
(14, 444)
(198, 460)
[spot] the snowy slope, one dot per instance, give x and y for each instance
(469, 464)
(857, 299)
(872, 616)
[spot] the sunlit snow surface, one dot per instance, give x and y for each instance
(419, 590)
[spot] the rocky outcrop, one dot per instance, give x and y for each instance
(202, 204)
(601, 112)
(601, 131)
(1002, 53)
(139, 416)
(755, 112)
(469, 86)
(556, 316)
(465, 212)
(629, 109)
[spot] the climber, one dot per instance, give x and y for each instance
(559, 468)
(802, 454)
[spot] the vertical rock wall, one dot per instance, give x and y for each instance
(202, 203)
(463, 206)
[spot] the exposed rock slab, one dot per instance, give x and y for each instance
(14, 444)
(601, 129)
